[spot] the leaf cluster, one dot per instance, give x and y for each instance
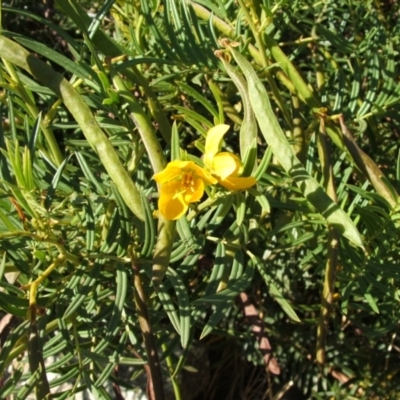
(312, 93)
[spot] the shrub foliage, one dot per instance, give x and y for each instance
(98, 290)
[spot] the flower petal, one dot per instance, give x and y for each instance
(181, 183)
(175, 169)
(197, 193)
(181, 164)
(169, 173)
(203, 174)
(238, 183)
(226, 164)
(213, 139)
(171, 202)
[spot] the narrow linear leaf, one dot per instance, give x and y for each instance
(248, 129)
(17, 55)
(184, 306)
(275, 292)
(275, 137)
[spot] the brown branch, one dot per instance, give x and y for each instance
(116, 387)
(35, 355)
(328, 291)
(155, 385)
(257, 327)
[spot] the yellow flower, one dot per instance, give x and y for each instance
(227, 167)
(181, 183)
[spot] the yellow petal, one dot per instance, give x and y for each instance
(238, 183)
(203, 174)
(171, 203)
(175, 170)
(170, 173)
(170, 190)
(181, 164)
(173, 209)
(226, 164)
(214, 138)
(196, 194)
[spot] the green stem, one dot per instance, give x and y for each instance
(301, 87)
(17, 55)
(174, 381)
(299, 137)
(142, 123)
(155, 107)
(290, 77)
(34, 285)
(166, 229)
(229, 31)
(265, 63)
(45, 238)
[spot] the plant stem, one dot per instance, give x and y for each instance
(229, 31)
(174, 381)
(166, 229)
(265, 63)
(328, 291)
(35, 356)
(155, 381)
(17, 55)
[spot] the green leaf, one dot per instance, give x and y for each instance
(371, 301)
(201, 99)
(222, 211)
(218, 269)
(185, 233)
(175, 143)
(149, 228)
(234, 287)
(169, 307)
(284, 153)
(55, 56)
(248, 129)
(10, 383)
(191, 115)
(184, 306)
(87, 285)
(219, 313)
(274, 291)
(240, 208)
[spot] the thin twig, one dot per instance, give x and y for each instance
(332, 251)
(155, 385)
